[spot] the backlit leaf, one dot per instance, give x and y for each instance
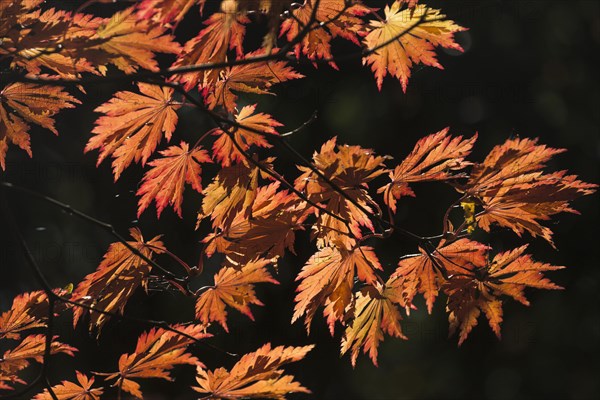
(514, 192)
(223, 32)
(374, 314)
(132, 125)
(427, 272)
(407, 37)
(66, 390)
(165, 182)
(156, 353)
(234, 287)
(480, 288)
(246, 136)
(436, 157)
(119, 274)
(328, 279)
(21, 103)
(337, 19)
(255, 77)
(256, 375)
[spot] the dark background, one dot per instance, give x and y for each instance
(528, 70)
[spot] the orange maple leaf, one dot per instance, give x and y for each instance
(165, 182)
(28, 311)
(231, 191)
(426, 272)
(166, 11)
(133, 125)
(223, 31)
(129, 43)
(255, 77)
(52, 39)
(32, 348)
(67, 390)
(514, 192)
(328, 279)
(276, 214)
(479, 288)
(351, 168)
(24, 102)
(333, 18)
(119, 274)
(405, 38)
(435, 157)
(255, 375)
(245, 136)
(375, 314)
(156, 353)
(234, 287)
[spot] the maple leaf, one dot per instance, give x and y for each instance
(255, 375)
(406, 38)
(27, 312)
(245, 135)
(51, 40)
(67, 390)
(129, 43)
(234, 287)
(231, 191)
(479, 289)
(426, 272)
(156, 353)
(435, 158)
(166, 11)
(328, 279)
(333, 18)
(514, 192)
(165, 182)
(32, 348)
(351, 168)
(119, 274)
(24, 102)
(133, 125)
(255, 77)
(223, 31)
(374, 314)
(276, 214)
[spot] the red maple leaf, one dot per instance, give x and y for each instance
(436, 157)
(66, 390)
(246, 135)
(256, 77)
(119, 274)
(223, 32)
(480, 287)
(513, 191)
(375, 314)
(133, 125)
(257, 375)
(234, 287)
(350, 168)
(328, 279)
(427, 272)
(275, 215)
(24, 102)
(156, 353)
(165, 182)
(333, 18)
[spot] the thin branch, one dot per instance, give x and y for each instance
(309, 121)
(104, 225)
(220, 121)
(49, 294)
